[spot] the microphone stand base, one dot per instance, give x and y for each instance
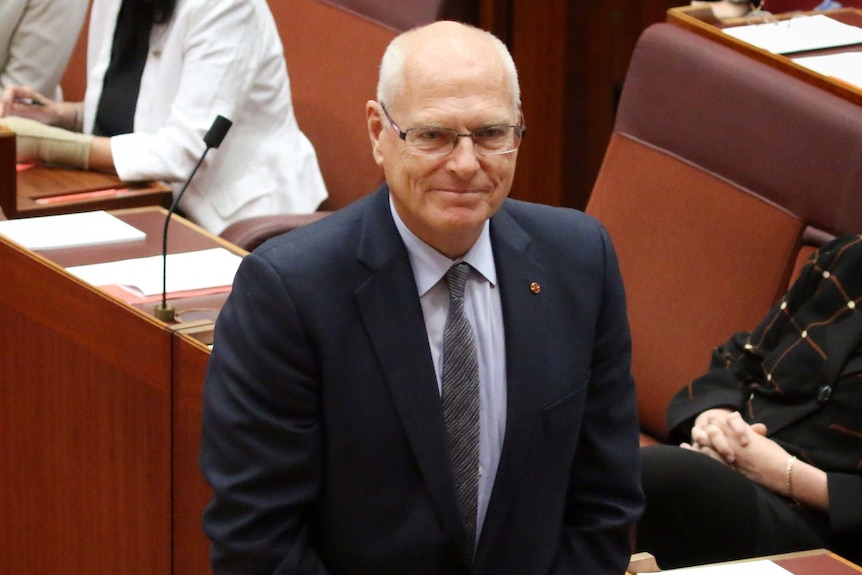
(164, 313)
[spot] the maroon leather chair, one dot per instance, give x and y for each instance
(721, 174)
(251, 232)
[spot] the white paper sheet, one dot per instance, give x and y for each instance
(844, 66)
(187, 271)
(798, 34)
(69, 230)
(745, 568)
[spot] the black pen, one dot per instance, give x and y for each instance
(28, 101)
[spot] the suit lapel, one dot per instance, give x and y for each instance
(523, 288)
(389, 304)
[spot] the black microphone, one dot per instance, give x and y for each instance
(212, 139)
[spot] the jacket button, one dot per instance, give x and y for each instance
(824, 393)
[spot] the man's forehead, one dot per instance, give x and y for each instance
(449, 60)
(440, 78)
(455, 77)
(467, 50)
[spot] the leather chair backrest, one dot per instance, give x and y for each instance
(252, 232)
(718, 171)
(405, 15)
(332, 57)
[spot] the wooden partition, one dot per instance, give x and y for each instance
(85, 405)
(190, 492)
(7, 164)
(100, 416)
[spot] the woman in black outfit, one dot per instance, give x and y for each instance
(770, 438)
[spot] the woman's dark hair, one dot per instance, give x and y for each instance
(164, 9)
(150, 12)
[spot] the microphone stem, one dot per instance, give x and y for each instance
(171, 211)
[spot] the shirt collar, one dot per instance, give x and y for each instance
(429, 265)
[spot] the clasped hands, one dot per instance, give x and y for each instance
(723, 435)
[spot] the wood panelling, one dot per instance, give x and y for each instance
(572, 58)
(85, 428)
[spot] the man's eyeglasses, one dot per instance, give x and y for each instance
(434, 141)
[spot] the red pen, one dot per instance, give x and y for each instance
(95, 194)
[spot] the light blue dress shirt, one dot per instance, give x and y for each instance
(484, 311)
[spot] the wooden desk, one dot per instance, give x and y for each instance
(99, 418)
(813, 562)
(41, 190)
(702, 21)
(818, 562)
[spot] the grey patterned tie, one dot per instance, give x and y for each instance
(460, 391)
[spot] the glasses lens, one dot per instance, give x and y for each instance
(497, 139)
(486, 141)
(431, 140)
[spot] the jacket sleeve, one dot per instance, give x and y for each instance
(605, 498)
(261, 404)
(720, 386)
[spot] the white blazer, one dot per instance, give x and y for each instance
(36, 41)
(213, 57)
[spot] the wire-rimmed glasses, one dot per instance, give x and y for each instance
(435, 141)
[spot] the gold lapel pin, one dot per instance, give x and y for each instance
(535, 287)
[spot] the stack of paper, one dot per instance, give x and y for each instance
(798, 34)
(186, 272)
(844, 66)
(69, 230)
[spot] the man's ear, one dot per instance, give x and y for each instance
(375, 129)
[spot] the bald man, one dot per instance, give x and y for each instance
(328, 430)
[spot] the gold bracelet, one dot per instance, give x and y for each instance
(788, 476)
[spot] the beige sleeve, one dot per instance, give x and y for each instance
(35, 141)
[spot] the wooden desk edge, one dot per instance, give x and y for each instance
(199, 331)
(149, 194)
(693, 19)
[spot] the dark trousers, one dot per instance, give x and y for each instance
(701, 511)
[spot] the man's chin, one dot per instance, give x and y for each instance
(462, 218)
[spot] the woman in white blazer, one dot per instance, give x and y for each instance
(207, 58)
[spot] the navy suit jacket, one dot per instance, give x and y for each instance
(323, 435)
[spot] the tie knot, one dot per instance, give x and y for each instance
(456, 279)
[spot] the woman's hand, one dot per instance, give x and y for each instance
(723, 435)
(716, 432)
(25, 102)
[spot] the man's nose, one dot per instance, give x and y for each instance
(464, 157)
